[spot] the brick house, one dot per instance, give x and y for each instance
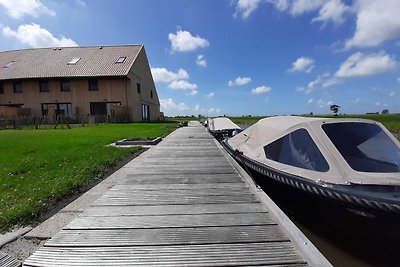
(76, 81)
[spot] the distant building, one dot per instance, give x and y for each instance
(76, 81)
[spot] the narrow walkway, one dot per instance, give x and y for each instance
(179, 203)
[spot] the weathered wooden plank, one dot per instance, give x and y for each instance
(188, 171)
(172, 209)
(182, 162)
(168, 236)
(163, 199)
(179, 179)
(195, 187)
(189, 161)
(212, 170)
(185, 154)
(8, 261)
(170, 221)
(247, 254)
(208, 191)
(199, 144)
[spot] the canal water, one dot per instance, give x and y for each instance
(344, 237)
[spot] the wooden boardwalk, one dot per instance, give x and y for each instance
(181, 203)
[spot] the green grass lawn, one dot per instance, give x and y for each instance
(39, 167)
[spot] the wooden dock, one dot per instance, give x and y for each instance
(181, 203)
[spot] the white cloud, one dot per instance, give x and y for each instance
(193, 92)
(377, 22)
(198, 109)
(355, 101)
(239, 81)
(201, 61)
(81, 3)
(166, 76)
(302, 64)
(184, 41)
(35, 36)
(281, 5)
(332, 10)
(359, 64)
(244, 8)
(261, 90)
(182, 85)
(319, 103)
(214, 111)
(379, 104)
(210, 95)
(328, 10)
(170, 105)
(177, 80)
(331, 82)
(19, 8)
(323, 80)
(392, 94)
(299, 7)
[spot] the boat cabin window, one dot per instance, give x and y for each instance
(297, 149)
(365, 146)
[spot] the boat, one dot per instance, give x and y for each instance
(222, 127)
(352, 162)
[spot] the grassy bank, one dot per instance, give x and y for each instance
(39, 167)
(391, 121)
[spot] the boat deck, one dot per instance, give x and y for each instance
(181, 203)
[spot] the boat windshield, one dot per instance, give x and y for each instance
(365, 146)
(297, 149)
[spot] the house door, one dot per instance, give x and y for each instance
(145, 112)
(98, 108)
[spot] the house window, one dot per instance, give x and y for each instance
(65, 86)
(120, 60)
(1, 88)
(93, 85)
(17, 87)
(63, 109)
(43, 86)
(9, 64)
(102, 108)
(151, 94)
(138, 88)
(74, 61)
(297, 149)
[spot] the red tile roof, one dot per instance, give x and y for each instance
(95, 61)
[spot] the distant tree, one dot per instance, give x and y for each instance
(335, 109)
(385, 111)
(311, 113)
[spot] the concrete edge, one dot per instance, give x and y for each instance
(126, 142)
(14, 235)
(310, 253)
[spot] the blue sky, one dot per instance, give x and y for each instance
(215, 57)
